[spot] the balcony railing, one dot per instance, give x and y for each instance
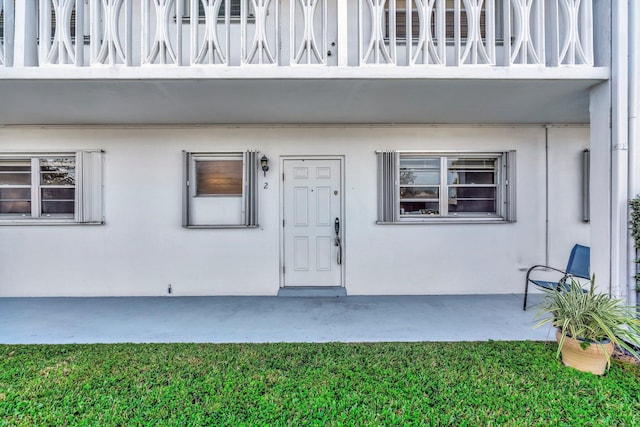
(224, 33)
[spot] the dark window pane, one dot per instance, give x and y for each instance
(234, 10)
(471, 177)
(419, 177)
(11, 166)
(419, 192)
(22, 207)
(19, 178)
(15, 193)
(419, 208)
(219, 177)
(58, 193)
(57, 207)
(473, 206)
(472, 193)
(15, 172)
(471, 171)
(401, 21)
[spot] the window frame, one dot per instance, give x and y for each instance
(249, 196)
(88, 194)
(233, 17)
(401, 13)
(389, 200)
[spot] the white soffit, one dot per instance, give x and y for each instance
(320, 100)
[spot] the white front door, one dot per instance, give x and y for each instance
(312, 194)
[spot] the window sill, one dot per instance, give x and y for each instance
(231, 226)
(46, 222)
(441, 221)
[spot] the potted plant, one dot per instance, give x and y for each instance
(588, 325)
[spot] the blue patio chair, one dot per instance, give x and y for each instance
(578, 266)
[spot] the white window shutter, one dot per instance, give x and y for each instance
(251, 188)
(186, 194)
(511, 202)
(89, 184)
(586, 187)
(388, 205)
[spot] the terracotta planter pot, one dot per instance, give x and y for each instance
(592, 359)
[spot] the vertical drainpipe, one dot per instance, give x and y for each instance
(546, 195)
(634, 100)
(619, 149)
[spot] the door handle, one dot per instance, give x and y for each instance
(336, 227)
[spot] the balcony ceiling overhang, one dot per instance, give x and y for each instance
(258, 96)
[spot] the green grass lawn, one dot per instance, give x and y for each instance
(492, 383)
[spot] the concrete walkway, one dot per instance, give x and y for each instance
(267, 319)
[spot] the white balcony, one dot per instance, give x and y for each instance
(187, 33)
(258, 52)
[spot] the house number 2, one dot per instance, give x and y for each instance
(266, 185)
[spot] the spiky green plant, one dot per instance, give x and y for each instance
(635, 220)
(635, 230)
(591, 317)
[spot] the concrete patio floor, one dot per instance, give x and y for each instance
(268, 319)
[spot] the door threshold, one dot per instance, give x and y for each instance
(312, 291)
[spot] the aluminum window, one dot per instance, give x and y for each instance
(235, 10)
(51, 187)
(432, 187)
(401, 24)
(220, 190)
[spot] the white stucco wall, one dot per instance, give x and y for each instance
(142, 247)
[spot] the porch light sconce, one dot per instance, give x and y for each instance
(264, 164)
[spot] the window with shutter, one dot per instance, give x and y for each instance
(51, 187)
(220, 190)
(427, 187)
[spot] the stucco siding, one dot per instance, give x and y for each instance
(142, 247)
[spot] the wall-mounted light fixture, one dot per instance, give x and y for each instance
(264, 164)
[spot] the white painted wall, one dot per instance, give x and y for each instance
(142, 247)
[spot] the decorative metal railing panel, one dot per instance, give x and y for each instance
(377, 32)
(478, 47)
(575, 32)
(161, 36)
(259, 39)
(428, 41)
(61, 34)
(524, 32)
(396, 33)
(110, 42)
(210, 38)
(308, 38)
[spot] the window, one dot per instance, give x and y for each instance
(449, 14)
(235, 10)
(427, 187)
(71, 24)
(220, 190)
(51, 187)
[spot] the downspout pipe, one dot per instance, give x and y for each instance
(546, 195)
(634, 100)
(619, 206)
